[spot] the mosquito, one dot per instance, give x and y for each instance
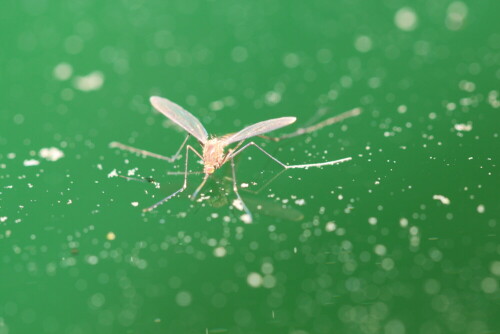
(214, 154)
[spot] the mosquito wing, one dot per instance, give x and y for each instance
(259, 128)
(181, 117)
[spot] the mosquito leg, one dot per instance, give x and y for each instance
(315, 127)
(147, 153)
(235, 189)
(182, 173)
(266, 185)
(142, 179)
(320, 164)
(195, 194)
(152, 207)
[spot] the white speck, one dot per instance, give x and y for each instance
(238, 204)
(380, 250)
(216, 105)
(455, 15)
(11, 155)
(246, 218)
(300, 202)
(406, 19)
(113, 173)
(239, 54)
(220, 252)
(403, 222)
(135, 203)
(273, 97)
(254, 280)
(90, 82)
(69, 202)
(363, 43)
(291, 60)
(244, 185)
(183, 298)
(51, 154)
(31, 162)
(131, 172)
(480, 208)
(92, 259)
(99, 166)
(330, 227)
(62, 71)
(372, 221)
(443, 199)
(2, 219)
(463, 127)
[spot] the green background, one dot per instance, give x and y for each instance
(361, 247)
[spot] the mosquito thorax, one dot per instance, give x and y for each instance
(213, 155)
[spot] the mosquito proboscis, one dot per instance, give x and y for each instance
(214, 154)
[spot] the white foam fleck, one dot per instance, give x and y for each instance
(443, 199)
(62, 71)
(113, 173)
(406, 19)
(463, 127)
(220, 252)
(254, 280)
(92, 81)
(31, 162)
(246, 218)
(238, 204)
(51, 154)
(300, 202)
(135, 203)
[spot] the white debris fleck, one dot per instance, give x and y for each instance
(31, 162)
(99, 166)
(113, 173)
(51, 154)
(238, 204)
(330, 227)
(480, 208)
(11, 155)
(132, 171)
(372, 221)
(62, 71)
(300, 202)
(406, 19)
(443, 199)
(246, 218)
(135, 203)
(254, 280)
(220, 252)
(463, 127)
(2, 219)
(90, 82)
(244, 185)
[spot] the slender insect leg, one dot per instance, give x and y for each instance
(182, 173)
(142, 179)
(320, 164)
(147, 153)
(152, 207)
(195, 194)
(235, 189)
(315, 127)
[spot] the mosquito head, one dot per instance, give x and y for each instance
(209, 169)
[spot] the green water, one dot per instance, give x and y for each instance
(402, 239)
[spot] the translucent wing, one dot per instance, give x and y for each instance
(181, 117)
(259, 128)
